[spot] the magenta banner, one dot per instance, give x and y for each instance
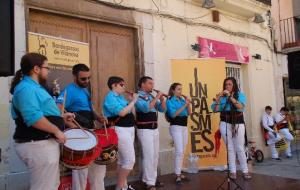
(217, 49)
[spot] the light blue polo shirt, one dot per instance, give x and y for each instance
(77, 98)
(32, 101)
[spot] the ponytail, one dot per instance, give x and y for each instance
(28, 61)
(16, 80)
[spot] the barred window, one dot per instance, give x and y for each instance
(233, 70)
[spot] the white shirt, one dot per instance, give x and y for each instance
(279, 117)
(267, 121)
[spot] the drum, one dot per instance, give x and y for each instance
(109, 146)
(80, 149)
(281, 145)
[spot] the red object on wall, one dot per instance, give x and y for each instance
(66, 183)
(218, 49)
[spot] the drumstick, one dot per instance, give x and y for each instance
(78, 125)
(71, 138)
(64, 102)
(105, 129)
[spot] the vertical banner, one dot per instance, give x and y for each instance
(202, 79)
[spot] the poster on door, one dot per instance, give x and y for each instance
(201, 80)
(62, 55)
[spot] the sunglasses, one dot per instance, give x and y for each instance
(48, 68)
(84, 78)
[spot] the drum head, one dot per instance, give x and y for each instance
(77, 139)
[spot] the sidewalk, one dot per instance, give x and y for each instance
(288, 168)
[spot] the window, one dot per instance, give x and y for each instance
(234, 70)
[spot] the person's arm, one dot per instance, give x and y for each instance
(110, 103)
(129, 107)
(44, 125)
(27, 104)
(186, 105)
(240, 103)
(216, 103)
(161, 105)
(154, 100)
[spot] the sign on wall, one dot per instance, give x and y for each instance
(217, 49)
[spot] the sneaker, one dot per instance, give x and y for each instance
(130, 187)
(247, 176)
(277, 159)
(232, 176)
(178, 180)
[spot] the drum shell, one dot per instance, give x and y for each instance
(109, 146)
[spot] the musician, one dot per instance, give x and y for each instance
(38, 122)
(148, 134)
(231, 103)
(178, 110)
(119, 113)
(78, 101)
(282, 119)
(273, 137)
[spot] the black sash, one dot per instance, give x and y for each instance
(146, 120)
(232, 117)
(179, 120)
(126, 121)
(25, 133)
(85, 119)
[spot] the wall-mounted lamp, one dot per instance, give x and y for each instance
(258, 18)
(195, 47)
(257, 56)
(208, 4)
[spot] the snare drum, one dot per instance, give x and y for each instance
(109, 146)
(281, 145)
(80, 149)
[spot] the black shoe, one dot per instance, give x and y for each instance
(289, 157)
(184, 178)
(277, 159)
(159, 184)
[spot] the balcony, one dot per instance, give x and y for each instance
(244, 8)
(290, 34)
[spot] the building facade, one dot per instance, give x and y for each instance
(134, 38)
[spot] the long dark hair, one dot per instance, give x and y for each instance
(235, 87)
(172, 88)
(28, 62)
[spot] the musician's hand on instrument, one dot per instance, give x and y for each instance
(68, 116)
(226, 93)
(135, 97)
(187, 101)
(159, 95)
(60, 137)
(103, 120)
